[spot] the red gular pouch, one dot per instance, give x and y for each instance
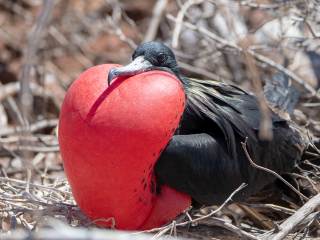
(110, 139)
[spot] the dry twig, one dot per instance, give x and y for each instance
(270, 171)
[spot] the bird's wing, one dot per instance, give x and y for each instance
(200, 165)
(230, 108)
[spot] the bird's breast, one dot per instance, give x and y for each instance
(110, 139)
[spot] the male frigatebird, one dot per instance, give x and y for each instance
(205, 159)
(138, 142)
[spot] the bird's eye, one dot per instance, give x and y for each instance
(161, 57)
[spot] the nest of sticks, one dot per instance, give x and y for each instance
(45, 45)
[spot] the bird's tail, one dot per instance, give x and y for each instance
(309, 144)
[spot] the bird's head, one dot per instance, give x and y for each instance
(147, 57)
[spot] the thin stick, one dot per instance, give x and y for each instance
(178, 26)
(265, 132)
(229, 226)
(27, 15)
(205, 73)
(198, 219)
(13, 88)
(271, 206)
(28, 180)
(243, 185)
(311, 29)
(33, 127)
(262, 6)
(270, 171)
(35, 185)
(257, 217)
(26, 97)
(103, 220)
(196, 235)
(287, 226)
(312, 143)
(34, 149)
(155, 21)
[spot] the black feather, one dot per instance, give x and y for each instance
(205, 159)
(280, 93)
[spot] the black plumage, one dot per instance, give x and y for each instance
(204, 158)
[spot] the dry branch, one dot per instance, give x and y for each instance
(285, 228)
(230, 227)
(270, 171)
(155, 21)
(180, 16)
(33, 127)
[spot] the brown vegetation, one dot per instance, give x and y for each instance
(45, 45)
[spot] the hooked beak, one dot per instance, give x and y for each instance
(140, 64)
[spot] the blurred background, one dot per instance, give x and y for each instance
(46, 45)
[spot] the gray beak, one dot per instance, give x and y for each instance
(140, 64)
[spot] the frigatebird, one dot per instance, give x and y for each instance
(204, 159)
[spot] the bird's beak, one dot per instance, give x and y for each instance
(140, 64)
